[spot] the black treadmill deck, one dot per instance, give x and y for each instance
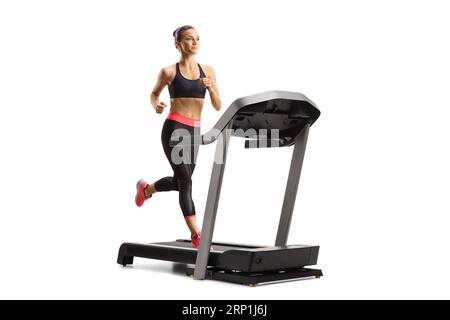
(224, 256)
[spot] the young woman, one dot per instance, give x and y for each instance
(188, 82)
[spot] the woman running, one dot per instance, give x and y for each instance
(187, 82)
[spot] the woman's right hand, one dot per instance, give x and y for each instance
(160, 107)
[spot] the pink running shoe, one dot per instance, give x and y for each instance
(196, 239)
(140, 194)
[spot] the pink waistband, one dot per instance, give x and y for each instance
(184, 120)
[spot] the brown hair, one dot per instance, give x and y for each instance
(179, 32)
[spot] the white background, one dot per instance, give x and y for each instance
(77, 131)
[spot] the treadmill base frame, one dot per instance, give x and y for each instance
(255, 278)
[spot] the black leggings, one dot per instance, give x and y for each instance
(182, 168)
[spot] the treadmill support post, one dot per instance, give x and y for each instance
(212, 202)
(291, 187)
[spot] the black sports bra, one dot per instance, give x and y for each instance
(186, 88)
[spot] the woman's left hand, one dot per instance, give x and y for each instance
(205, 82)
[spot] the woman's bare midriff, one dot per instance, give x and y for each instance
(188, 107)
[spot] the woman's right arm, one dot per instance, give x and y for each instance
(161, 82)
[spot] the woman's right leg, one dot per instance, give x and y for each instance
(166, 183)
(181, 181)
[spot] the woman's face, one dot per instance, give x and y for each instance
(190, 42)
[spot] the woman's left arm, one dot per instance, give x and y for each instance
(210, 84)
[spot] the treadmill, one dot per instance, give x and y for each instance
(270, 119)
